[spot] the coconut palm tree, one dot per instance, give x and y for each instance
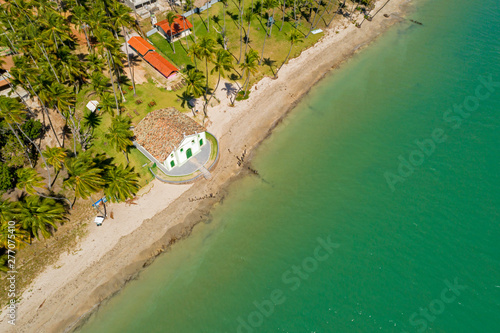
(171, 16)
(107, 103)
(195, 53)
(294, 38)
(28, 179)
(283, 2)
(55, 157)
(313, 3)
(323, 13)
(8, 210)
(208, 15)
(273, 5)
(241, 9)
(268, 4)
(248, 18)
(123, 19)
(79, 17)
(13, 234)
(190, 6)
(39, 214)
(99, 83)
(195, 82)
(223, 63)
(186, 99)
(13, 116)
(119, 135)
(207, 50)
(54, 29)
(107, 44)
(336, 12)
(250, 65)
(121, 183)
(84, 176)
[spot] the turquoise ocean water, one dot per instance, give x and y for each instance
(378, 207)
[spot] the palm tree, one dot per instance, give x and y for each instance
(312, 3)
(273, 4)
(107, 103)
(223, 62)
(13, 234)
(207, 50)
(99, 83)
(283, 4)
(7, 210)
(186, 99)
(55, 157)
(338, 9)
(323, 13)
(208, 15)
(79, 18)
(268, 4)
(241, 8)
(171, 16)
(84, 176)
(123, 19)
(38, 214)
(248, 17)
(224, 5)
(61, 98)
(28, 179)
(119, 134)
(250, 66)
(194, 53)
(194, 81)
(55, 28)
(294, 38)
(13, 116)
(121, 183)
(190, 6)
(106, 45)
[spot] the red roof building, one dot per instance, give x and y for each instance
(140, 45)
(179, 25)
(160, 64)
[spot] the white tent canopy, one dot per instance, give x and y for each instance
(92, 105)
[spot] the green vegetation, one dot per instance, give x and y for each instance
(58, 158)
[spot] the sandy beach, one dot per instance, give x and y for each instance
(109, 256)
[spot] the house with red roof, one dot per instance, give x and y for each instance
(140, 45)
(169, 138)
(179, 28)
(161, 64)
(148, 53)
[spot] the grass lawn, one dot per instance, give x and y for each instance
(146, 92)
(166, 49)
(276, 48)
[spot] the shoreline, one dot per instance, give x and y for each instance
(82, 281)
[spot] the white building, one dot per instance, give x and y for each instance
(136, 4)
(169, 138)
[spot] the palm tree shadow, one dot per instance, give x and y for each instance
(202, 20)
(230, 90)
(134, 60)
(269, 62)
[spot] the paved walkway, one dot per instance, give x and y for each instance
(194, 163)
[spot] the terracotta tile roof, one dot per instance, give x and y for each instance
(141, 45)
(180, 24)
(162, 131)
(161, 64)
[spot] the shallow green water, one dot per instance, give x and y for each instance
(420, 256)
